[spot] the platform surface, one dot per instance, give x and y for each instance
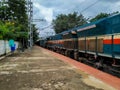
(41, 69)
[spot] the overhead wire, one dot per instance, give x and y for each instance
(91, 5)
(80, 12)
(46, 27)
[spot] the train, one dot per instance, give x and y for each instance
(96, 43)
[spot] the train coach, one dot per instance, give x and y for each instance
(42, 42)
(70, 42)
(54, 42)
(97, 42)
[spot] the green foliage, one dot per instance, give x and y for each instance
(14, 18)
(3, 30)
(35, 34)
(17, 10)
(19, 15)
(7, 30)
(64, 22)
(99, 16)
(102, 15)
(4, 13)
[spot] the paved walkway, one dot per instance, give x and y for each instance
(40, 70)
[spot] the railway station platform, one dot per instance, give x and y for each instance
(41, 69)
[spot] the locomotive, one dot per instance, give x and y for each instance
(96, 43)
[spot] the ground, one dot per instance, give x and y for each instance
(37, 69)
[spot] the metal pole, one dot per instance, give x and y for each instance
(30, 17)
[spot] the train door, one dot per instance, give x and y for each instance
(75, 41)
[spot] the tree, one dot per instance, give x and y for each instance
(102, 15)
(19, 16)
(18, 13)
(99, 16)
(3, 30)
(15, 11)
(4, 13)
(11, 29)
(35, 33)
(14, 19)
(65, 22)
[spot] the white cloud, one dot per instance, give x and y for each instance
(49, 9)
(47, 13)
(42, 12)
(115, 6)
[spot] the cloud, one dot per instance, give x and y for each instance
(49, 9)
(110, 1)
(46, 13)
(64, 7)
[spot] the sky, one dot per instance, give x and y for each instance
(49, 9)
